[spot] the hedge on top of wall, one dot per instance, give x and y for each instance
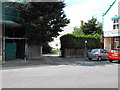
(78, 41)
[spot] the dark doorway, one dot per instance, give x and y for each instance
(20, 53)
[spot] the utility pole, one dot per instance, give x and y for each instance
(26, 45)
(3, 35)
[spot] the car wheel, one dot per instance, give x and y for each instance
(99, 58)
(111, 61)
(90, 58)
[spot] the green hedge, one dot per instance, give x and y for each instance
(78, 41)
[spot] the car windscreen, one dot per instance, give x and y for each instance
(115, 51)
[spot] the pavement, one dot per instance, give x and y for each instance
(50, 59)
(43, 61)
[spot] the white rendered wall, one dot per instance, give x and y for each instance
(107, 44)
(108, 23)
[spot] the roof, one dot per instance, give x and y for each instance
(9, 23)
(19, 1)
(116, 17)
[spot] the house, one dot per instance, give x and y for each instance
(111, 26)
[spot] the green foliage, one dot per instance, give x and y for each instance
(54, 51)
(42, 20)
(77, 31)
(78, 41)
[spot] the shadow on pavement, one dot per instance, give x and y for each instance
(52, 61)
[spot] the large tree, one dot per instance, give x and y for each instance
(42, 20)
(91, 27)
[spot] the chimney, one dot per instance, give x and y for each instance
(81, 22)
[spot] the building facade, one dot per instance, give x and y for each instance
(0, 33)
(13, 36)
(111, 26)
(13, 41)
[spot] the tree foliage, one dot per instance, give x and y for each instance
(42, 20)
(90, 27)
(77, 30)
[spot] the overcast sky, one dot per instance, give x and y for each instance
(77, 10)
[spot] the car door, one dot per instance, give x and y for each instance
(104, 54)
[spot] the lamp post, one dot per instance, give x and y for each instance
(85, 44)
(85, 48)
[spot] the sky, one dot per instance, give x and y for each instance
(77, 10)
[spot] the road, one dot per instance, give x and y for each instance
(77, 74)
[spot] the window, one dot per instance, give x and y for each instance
(113, 26)
(117, 39)
(116, 20)
(94, 50)
(103, 51)
(115, 51)
(116, 26)
(116, 42)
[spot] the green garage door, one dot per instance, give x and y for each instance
(10, 51)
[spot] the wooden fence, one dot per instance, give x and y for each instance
(74, 52)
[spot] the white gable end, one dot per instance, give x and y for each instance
(108, 25)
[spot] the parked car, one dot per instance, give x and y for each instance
(97, 54)
(114, 54)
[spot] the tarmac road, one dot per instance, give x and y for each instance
(53, 72)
